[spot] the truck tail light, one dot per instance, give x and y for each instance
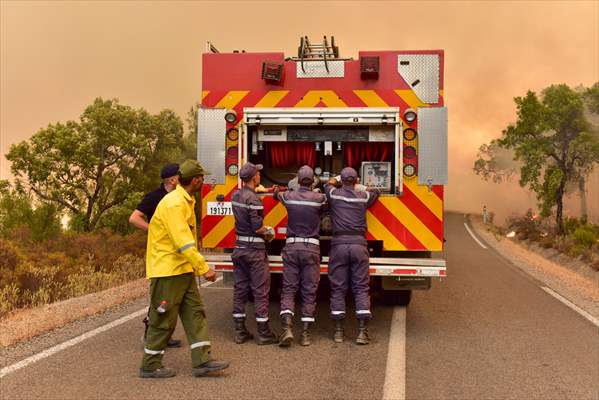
(232, 169)
(409, 170)
(409, 115)
(409, 134)
(272, 71)
(369, 67)
(409, 152)
(233, 134)
(232, 152)
(231, 116)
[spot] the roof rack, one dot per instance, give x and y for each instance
(317, 51)
(210, 48)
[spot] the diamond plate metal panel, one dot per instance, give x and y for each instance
(432, 146)
(421, 72)
(212, 143)
(317, 69)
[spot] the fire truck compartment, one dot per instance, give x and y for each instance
(326, 139)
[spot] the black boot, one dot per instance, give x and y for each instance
(363, 332)
(305, 339)
(241, 333)
(338, 334)
(286, 337)
(264, 334)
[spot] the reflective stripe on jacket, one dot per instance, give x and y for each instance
(172, 239)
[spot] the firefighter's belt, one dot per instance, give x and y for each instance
(302, 240)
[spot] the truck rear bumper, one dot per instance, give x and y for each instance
(379, 266)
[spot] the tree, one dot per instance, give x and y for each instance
(17, 211)
(191, 139)
(90, 166)
(553, 143)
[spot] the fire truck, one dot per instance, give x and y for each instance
(382, 114)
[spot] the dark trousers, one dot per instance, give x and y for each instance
(250, 274)
(349, 265)
(183, 299)
(301, 270)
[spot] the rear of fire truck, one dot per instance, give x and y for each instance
(382, 114)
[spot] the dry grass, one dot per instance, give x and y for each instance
(23, 324)
(33, 274)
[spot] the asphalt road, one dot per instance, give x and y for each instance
(487, 331)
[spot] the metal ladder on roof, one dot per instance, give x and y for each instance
(317, 51)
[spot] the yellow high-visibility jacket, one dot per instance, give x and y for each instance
(172, 239)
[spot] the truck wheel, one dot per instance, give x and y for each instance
(397, 297)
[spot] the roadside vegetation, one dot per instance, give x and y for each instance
(552, 149)
(91, 172)
(579, 241)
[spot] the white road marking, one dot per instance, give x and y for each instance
(76, 340)
(69, 343)
(573, 306)
(474, 237)
(395, 373)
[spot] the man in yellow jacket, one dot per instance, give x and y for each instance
(172, 260)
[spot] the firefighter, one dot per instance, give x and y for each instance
(172, 258)
(348, 257)
(301, 254)
(142, 215)
(249, 258)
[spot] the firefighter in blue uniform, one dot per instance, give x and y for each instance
(301, 254)
(249, 258)
(349, 257)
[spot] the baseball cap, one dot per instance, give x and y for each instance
(169, 170)
(191, 168)
(348, 174)
(305, 173)
(248, 170)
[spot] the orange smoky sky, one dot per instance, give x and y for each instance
(56, 57)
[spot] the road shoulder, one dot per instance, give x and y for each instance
(579, 287)
(22, 325)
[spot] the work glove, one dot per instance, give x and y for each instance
(269, 235)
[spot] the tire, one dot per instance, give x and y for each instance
(397, 297)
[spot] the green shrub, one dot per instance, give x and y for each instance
(570, 224)
(585, 235)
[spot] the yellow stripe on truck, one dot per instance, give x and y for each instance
(218, 233)
(412, 223)
(231, 99)
(380, 232)
(410, 97)
(272, 98)
(275, 216)
(428, 198)
(370, 98)
(328, 97)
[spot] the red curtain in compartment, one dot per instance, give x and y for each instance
(356, 152)
(287, 154)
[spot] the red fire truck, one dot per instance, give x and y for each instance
(382, 113)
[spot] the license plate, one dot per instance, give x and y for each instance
(218, 208)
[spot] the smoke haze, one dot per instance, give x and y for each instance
(56, 57)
